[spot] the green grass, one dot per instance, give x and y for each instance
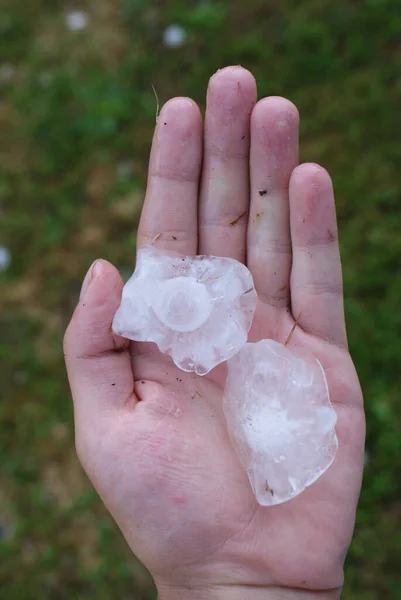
(81, 104)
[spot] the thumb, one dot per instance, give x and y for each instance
(98, 362)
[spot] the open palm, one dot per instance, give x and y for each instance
(152, 438)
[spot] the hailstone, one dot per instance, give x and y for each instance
(280, 419)
(197, 309)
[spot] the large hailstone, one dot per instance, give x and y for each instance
(280, 419)
(197, 309)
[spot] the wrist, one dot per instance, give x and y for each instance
(247, 592)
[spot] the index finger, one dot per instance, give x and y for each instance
(170, 210)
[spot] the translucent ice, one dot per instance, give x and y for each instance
(196, 309)
(280, 419)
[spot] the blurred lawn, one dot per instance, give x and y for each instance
(76, 118)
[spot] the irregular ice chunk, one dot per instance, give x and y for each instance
(196, 309)
(280, 419)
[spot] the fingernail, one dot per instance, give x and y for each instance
(94, 271)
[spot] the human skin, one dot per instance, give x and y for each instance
(170, 478)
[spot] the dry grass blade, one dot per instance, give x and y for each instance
(287, 341)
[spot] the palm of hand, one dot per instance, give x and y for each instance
(163, 463)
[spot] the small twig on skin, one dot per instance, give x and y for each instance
(157, 237)
(235, 221)
(287, 341)
(268, 488)
(157, 102)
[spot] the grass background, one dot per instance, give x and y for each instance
(77, 113)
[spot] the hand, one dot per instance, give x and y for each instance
(152, 438)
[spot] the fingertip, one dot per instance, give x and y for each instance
(177, 144)
(234, 78)
(276, 109)
(103, 269)
(98, 267)
(274, 143)
(105, 285)
(311, 196)
(179, 112)
(311, 174)
(89, 330)
(87, 280)
(275, 138)
(231, 96)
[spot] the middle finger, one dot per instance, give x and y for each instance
(224, 198)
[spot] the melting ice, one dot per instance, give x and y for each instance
(197, 309)
(280, 419)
